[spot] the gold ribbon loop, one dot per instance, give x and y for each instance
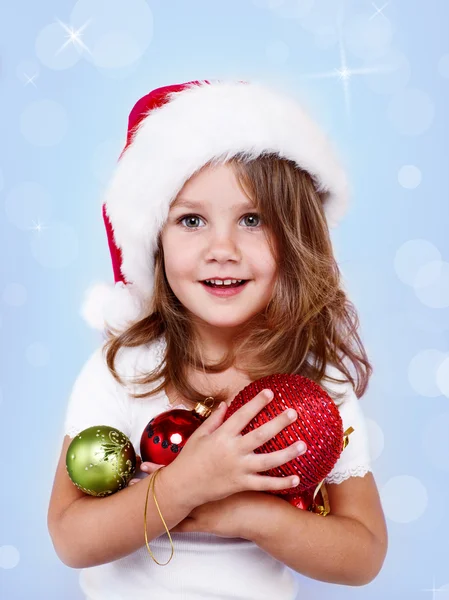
(324, 509)
(346, 435)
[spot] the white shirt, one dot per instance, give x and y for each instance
(203, 565)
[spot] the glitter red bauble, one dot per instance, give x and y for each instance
(319, 425)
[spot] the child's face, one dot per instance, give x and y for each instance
(217, 240)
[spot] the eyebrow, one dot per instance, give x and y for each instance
(186, 203)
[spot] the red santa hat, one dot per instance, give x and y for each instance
(172, 132)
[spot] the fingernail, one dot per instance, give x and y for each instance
(295, 481)
(144, 467)
(300, 446)
(268, 394)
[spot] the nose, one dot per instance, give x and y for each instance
(222, 245)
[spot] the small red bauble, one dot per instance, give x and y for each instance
(166, 434)
(319, 425)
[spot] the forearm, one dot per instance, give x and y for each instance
(333, 549)
(94, 531)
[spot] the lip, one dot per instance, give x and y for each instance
(224, 293)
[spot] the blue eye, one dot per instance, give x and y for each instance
(188, 217)
(253, 215)
(191, 216)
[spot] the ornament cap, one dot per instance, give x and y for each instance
(202, 409)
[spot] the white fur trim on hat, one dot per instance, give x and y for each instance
(116, 305)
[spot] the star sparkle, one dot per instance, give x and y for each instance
(434, 590)
(74, 37)
(37, 226)
(379, 11)
(344, 72)
(30, 79)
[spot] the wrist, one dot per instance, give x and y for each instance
(175, 487)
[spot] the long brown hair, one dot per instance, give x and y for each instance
(308, 314)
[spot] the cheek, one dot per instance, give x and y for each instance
(176, 259)
(265, 264)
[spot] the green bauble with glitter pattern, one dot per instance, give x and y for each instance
(100, 460)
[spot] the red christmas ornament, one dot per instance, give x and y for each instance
(166, 435)
(319, 425)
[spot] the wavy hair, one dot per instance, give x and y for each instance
(309, 321)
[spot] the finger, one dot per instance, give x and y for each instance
(265, 483)
(264, 461)
(150, 467)
(262, 434)
(212, 422)
(240, 419)
(133, 481)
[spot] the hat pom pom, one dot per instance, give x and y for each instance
(116, 306)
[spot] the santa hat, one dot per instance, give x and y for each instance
(174, 131)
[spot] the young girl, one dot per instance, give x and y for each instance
(220, 181)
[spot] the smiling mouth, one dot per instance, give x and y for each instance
(225, 291)
(223, 286)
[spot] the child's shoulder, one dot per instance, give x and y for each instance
(128, 359)
(335, 383)
(98, 398)
(140, 358)
(342, 386)
(128, 363)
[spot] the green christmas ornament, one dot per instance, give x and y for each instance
(100, 460)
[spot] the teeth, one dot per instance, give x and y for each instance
(225, 282)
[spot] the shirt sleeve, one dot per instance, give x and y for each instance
(96, 399)
(355, 460)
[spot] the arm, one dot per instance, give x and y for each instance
(88, 531)
(347, 547)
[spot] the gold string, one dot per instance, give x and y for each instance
(151, 484)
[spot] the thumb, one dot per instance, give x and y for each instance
(150, 467)
(213, 421)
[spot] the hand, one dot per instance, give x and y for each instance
(228, 517)
(217, 461)
(146, 467)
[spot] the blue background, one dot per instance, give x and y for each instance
(63, 120)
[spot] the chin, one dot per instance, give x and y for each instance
(223, 323)
(220, 319)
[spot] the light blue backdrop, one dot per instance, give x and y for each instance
(377, 77)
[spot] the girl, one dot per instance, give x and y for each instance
(220, 182)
